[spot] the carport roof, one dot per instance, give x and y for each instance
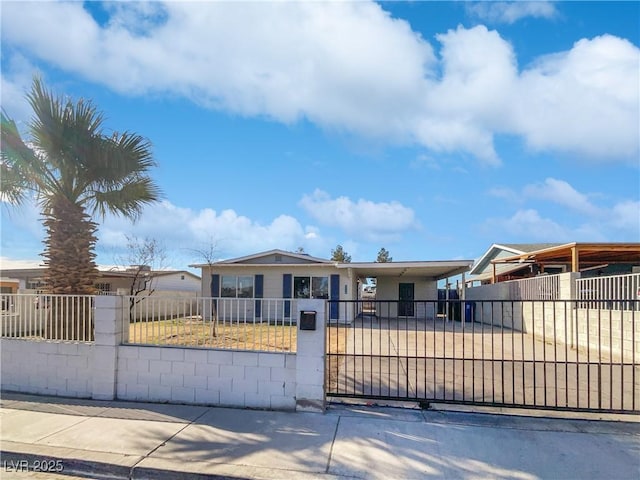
(433, 269)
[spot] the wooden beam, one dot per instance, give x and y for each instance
(575, 259)
(493, 273)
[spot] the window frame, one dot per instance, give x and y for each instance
(238, 286)
(310, 286)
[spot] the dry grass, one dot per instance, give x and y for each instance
(194, 332)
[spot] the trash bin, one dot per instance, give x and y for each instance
(469, 311)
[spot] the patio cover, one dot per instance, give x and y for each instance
(579, 255)
(432, 269)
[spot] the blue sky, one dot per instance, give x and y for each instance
(433, 129)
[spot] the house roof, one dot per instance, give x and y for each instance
(484, 261)
(108, 272)
(431, 269)
(300, 258)
(587, 254)
(154, 273)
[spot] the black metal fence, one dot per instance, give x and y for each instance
(533, 354)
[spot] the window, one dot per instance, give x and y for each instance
(320, 287)
(103, 287)
(237, 286)
(311, 287)
(34, 283)
(245, 287)
(301, 287)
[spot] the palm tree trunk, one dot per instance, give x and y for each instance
(71, 268)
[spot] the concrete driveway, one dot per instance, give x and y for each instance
(436, 360)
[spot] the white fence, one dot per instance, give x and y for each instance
(612, 292)
(542, 287)
(257, 324)
(38, 316)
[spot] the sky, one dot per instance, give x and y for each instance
(432, 129)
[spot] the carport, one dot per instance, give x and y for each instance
(403, 283)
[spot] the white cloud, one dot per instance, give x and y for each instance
(178, 229)
(16, 79)
(362, 218)
(561, 192)
(350, 67)
(511, 12)
(529, 224)
(233, 234)
(626, 216)
(585, 101)
(620, 221)
(505, 193)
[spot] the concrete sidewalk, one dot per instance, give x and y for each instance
(139, 440)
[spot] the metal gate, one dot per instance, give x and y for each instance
(563, 355)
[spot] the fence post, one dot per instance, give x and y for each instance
(108, 336)
(310, 359)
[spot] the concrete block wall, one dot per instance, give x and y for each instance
(212, 377)
(48, 368)
(610, 332)
(108, 369)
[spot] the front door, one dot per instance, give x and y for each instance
(405, 297)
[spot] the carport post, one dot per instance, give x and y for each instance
(446, 298)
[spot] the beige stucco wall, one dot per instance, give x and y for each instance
(425, 294)
(272, 287)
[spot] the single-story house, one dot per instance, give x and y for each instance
(115, 280)
(279, 275)
(165, 281)
(502, 262)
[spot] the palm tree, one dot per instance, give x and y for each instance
(76, 172)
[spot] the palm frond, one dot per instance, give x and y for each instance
(63, 131)
(15, 157)
(115, 159)
(128, 199)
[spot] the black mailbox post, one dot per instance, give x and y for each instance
(307, 320)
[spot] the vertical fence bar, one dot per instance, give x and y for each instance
(544, 350)
(633, 355)
(589, 359)
(502, 353)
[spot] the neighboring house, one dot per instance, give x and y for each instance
(504, 262)
(7, 286)
(166, 281)
(278, 274)
(115, 280)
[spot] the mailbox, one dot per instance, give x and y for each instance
(307, 320)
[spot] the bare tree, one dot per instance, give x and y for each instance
(209, 254)
(143, 260)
